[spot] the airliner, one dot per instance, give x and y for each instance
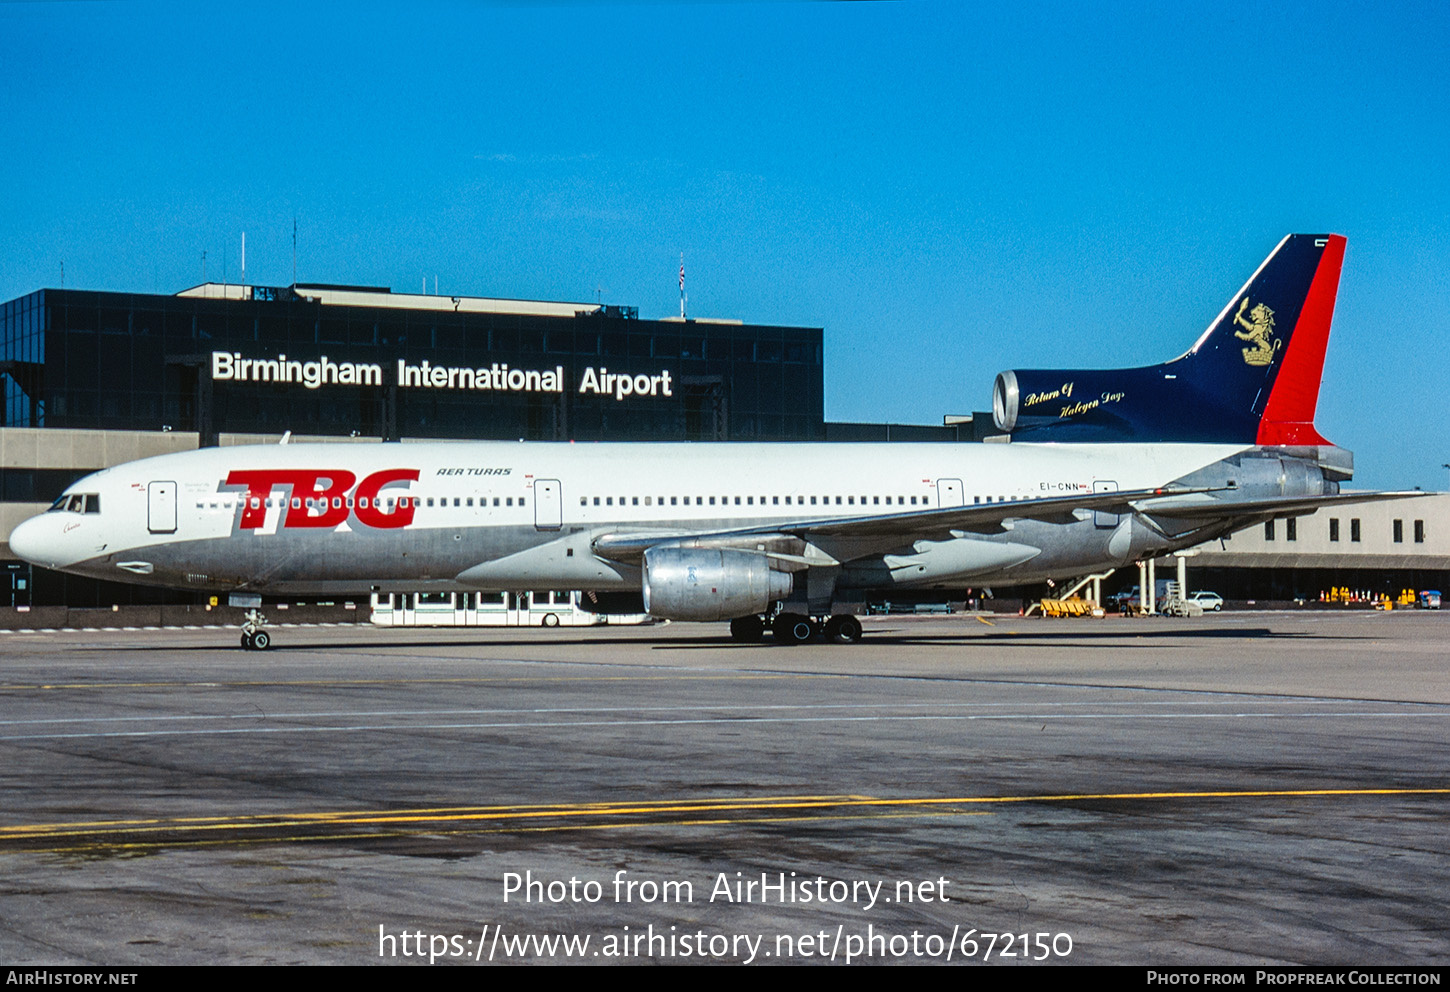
(1095, 469)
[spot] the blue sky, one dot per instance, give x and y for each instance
(948, 189)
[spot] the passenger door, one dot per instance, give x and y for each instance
(548, 504)
(161, 507)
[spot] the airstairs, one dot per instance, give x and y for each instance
(1069, 605)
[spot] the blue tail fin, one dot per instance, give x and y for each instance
(1252, 377)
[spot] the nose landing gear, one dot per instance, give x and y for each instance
(254, 638)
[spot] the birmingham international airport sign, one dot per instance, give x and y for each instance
(231, 366)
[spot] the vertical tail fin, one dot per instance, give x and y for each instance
(1252, 377)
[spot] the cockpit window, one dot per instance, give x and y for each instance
(77, 503)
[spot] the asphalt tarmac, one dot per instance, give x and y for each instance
(1250, 788)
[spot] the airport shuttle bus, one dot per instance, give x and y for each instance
(527, 608)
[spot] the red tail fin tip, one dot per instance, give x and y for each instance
(1289, 413)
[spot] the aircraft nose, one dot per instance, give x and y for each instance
(38, 541)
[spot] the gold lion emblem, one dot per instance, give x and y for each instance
(1258, 327)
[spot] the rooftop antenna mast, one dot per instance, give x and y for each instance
(682, 285)
(244, 258)
(294, 248)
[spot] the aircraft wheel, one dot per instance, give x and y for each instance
(747, 629)
(843, 629)
(792, 628)
(247, 641)
(261, 641)
(550, 620)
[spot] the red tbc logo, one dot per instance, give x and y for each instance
(319, 497)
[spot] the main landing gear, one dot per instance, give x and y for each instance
(254, 638)
(796, 628)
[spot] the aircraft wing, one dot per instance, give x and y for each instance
(850, 537)
(891, 529)
(1264, 508)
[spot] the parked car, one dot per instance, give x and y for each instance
(1208, 600)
